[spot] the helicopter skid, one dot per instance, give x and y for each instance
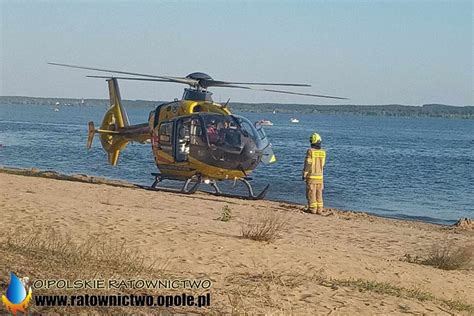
(185, 189)
(251, 195)
(197, 180)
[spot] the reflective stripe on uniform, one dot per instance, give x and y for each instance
(318, 153)
(316, 177)
(314, 204)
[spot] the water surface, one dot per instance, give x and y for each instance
(414, 168)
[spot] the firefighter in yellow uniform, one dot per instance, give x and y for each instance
(313, 174)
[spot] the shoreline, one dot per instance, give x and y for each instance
(347, 262)
(84, 178)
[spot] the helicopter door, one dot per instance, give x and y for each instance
(165, 139)
(182, 140)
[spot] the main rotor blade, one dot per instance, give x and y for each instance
(285, 92)
(208, 83)
(129, 78)
(215, 83)
(191, 82)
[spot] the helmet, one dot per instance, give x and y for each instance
(315, 138)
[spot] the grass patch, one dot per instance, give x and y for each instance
(283, 279)
(264, 291)
(445, 257)
(268, 288)
(93, 257)
(264, 227)
(40, 252)
(459, 306)
(226, 214)
(384, 288)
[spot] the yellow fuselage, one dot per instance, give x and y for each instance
(166, 162)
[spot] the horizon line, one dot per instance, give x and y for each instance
(237, 102)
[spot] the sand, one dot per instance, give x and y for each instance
(304, 271)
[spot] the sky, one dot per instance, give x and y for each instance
(372, 52)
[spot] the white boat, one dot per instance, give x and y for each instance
(294, 120)
(265, 123)
(56, 110)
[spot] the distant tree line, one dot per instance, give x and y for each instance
(426, 110)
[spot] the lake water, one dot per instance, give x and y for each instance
(413, 168)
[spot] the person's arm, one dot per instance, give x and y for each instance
(324, 158)
(307, 164)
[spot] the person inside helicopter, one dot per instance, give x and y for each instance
(223, 131)
(227, 133)
(212, 132)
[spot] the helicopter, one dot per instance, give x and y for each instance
(194, 140)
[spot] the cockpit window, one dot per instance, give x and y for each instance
(256, 133)
(222, 130)
(250, 129)
(228, 130)
(247, 128)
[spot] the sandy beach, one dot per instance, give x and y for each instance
(342, 263)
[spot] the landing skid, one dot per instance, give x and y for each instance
(250, 196)
(185, 189)
(196, 180)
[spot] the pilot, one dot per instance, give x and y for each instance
(313, 174)
(222, 128)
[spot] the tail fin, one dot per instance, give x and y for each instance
(121, 118)
(114, 120)
(115, 131)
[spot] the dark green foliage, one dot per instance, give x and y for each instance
(426, 110)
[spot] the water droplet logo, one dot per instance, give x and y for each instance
(16, 298)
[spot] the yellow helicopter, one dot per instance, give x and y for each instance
(194, 139)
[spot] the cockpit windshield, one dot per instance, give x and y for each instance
(222, 130)
(228, 130)
(248, 129)
(255, 132)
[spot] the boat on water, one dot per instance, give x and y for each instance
(294, 120)
(265, 122)
(56, 109)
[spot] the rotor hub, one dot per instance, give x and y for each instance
(199, 76)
